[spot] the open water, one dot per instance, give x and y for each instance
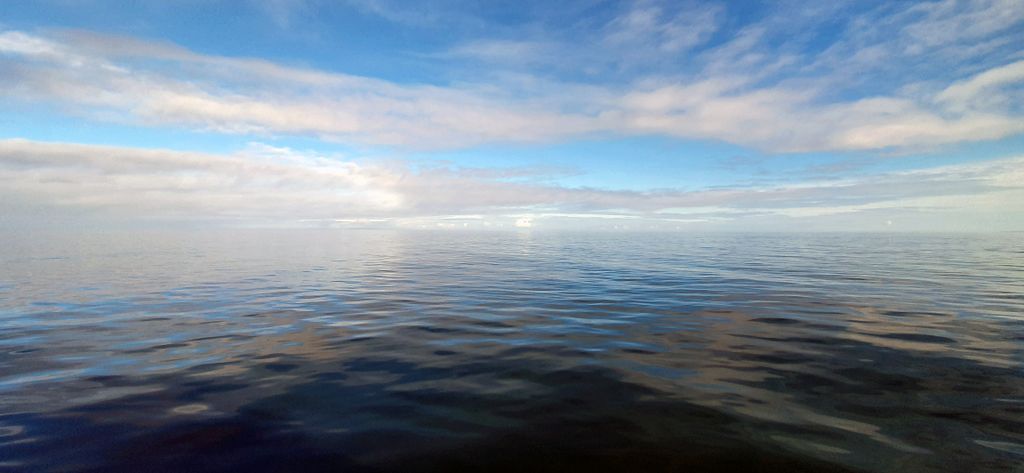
(331, 350)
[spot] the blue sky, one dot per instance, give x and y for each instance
(676, 115)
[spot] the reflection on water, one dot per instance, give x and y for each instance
(405, 351)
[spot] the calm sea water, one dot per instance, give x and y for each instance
(415, 351)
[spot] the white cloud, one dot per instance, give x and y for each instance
(940, 23)
(263, 183)
(983, 90)
(16, 42)
(744, 91)
(502, 50)
(254, 183)
(649, 25)
(252, 96)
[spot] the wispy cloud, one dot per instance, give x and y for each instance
(133, 81)
(984, 91)
(284, 12)
(655, 27)
(764, 86)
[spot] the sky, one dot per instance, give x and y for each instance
(592, 115)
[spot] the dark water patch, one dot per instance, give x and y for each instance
(776, 321)
(918, 337)
(597, 421)
(781, 358)
(903, 313)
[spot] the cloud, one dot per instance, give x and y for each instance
(649, 25)
(427, 13)
(830, 78)
(257, 182)
(503, 51)
(982, 91)
(263, 183)
(107, 76)
(946, 22)
(789, 120)
(284, 12)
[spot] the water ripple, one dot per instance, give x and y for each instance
(269, 351)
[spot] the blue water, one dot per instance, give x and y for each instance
(329, 350)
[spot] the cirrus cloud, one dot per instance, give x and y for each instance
(748, 89)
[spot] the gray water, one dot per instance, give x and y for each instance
(330, 350)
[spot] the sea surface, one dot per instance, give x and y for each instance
(359, 350)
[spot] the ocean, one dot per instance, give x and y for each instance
(391, 350)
